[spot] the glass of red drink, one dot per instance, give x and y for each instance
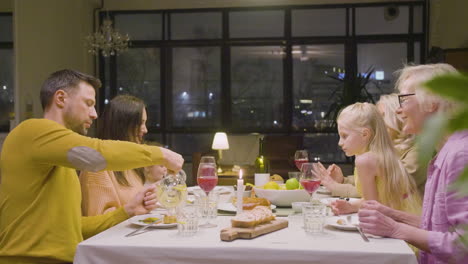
(207, 179)
(301, 157)
(309, 180)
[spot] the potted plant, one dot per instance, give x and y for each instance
(352, 90)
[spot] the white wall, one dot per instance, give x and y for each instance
(6, 5)
(48, 36)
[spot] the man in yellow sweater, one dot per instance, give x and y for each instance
(40, 197)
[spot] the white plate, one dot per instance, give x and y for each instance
(333, 221)
(323, 190)
(136, 221)
(327, 201)
(229, 207)
(220, 189)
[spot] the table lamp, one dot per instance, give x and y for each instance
(220, 142)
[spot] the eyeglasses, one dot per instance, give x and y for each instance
(401, 98)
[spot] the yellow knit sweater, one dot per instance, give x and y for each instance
(40, 196)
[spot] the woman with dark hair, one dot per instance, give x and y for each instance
(124, 119)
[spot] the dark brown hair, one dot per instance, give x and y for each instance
(121, 120)
(67, 80)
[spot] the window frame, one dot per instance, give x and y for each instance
(7, 45)
(350, 41)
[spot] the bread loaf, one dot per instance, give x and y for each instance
(248, 203)
(252, 218)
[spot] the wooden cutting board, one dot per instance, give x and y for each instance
(232, 233)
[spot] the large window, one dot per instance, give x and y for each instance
(268, 70)
(6, 72)
(315, 69)
(257, 87)
(196, 87)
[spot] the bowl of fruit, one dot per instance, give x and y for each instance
(282, 194)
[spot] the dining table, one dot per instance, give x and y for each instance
(288, 245)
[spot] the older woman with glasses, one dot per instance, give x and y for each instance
(438, 230)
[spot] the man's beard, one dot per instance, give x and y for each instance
(76, 126)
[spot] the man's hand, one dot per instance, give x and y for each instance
(174, 161)
(143, 202)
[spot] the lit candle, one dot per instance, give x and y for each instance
(240, 192)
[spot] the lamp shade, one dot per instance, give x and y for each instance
(220, 141)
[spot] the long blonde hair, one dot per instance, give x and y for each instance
(396, 181)
(389, 104)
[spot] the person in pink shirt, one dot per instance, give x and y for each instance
(438, 230)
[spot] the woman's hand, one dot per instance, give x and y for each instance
(340, 207)
(376, 223)
(143, 202)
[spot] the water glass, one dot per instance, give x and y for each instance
(314, 217)
(208, 207)
(187, 220)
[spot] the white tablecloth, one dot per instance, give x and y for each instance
(289, 245)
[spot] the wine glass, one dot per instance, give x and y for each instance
(171, 191)
(207, 178)
(309, 180)
(300, 157)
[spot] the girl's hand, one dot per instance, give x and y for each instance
(143, 202)
(340, 207)
(324, 176)
(336, 173)
(374, 205)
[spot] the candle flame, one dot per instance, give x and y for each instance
(240, 174)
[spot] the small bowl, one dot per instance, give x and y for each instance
(297, 206)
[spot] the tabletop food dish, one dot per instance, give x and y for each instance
(229, 207)
(283, 197)
(323, 190)
(327, 201)
(140, 220)
(219, 189)
(341, 222)
(297, 206)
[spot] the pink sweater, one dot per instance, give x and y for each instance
(102, 193)
(444, 213)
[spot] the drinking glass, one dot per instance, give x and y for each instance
(187, 220)
(301, 157)
(309, 180)
(314, 217)
(207, 178)
(171, 191)
(208, 207)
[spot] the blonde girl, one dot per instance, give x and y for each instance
(404, 143)
(379, 174)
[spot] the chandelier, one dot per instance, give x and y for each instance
(107, 40)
